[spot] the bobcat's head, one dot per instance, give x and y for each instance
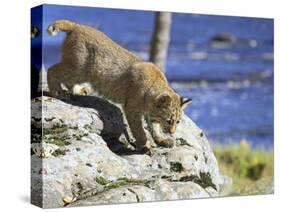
(167, 110)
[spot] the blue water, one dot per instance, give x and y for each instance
(231, 86)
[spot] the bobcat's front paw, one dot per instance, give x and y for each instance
(144, 149)
(165, 142)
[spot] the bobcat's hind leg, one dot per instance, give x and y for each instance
(61, 80)
(55, 80)
(83, 89)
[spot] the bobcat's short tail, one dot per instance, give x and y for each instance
(61, 26)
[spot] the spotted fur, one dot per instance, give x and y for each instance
(89, 56)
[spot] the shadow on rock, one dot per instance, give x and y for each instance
(115, 131)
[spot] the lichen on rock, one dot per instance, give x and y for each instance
(91, 158)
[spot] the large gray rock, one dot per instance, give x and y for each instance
(86, 157)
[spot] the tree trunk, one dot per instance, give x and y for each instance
(160, 39)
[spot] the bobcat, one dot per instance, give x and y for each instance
(89, 56)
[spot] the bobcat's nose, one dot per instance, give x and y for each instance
(172, 129)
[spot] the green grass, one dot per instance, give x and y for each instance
(58, 142)
(251, 170)
(120, 182)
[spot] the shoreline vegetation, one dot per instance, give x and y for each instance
(252, 170)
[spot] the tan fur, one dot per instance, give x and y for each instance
(89, 56)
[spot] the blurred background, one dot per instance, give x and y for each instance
(225, 64)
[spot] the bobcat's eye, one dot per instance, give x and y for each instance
(178, 122)
(169, 121)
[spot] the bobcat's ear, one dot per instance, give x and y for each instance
(163, 99)
(185, 102)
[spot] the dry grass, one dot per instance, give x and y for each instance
(252, 170)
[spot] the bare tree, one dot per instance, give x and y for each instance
(160, 39)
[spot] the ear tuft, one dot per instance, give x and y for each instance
(185, 102)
